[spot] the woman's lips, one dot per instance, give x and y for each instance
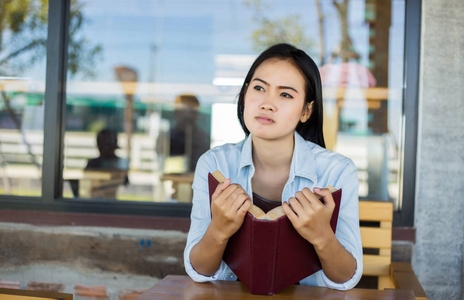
(264, 120)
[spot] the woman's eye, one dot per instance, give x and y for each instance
(259, 88)
(286, 95)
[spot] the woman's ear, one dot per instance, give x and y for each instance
(307, 111)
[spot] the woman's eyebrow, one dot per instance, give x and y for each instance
(279, 87)
(259, 79)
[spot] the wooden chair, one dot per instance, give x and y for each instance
(376, 234)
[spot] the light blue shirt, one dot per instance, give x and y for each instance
(311, 166)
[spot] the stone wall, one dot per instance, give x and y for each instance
(439, 206)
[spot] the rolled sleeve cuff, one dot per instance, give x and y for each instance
(201, 278)
(223, 273)
(351, 283)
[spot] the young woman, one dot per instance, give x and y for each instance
(282, 160)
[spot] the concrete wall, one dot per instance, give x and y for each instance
(116, 258)
(439, 206)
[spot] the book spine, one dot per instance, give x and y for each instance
(264, 244)
(277, 242)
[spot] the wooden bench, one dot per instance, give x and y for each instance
(376, 234)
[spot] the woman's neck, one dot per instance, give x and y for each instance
(272, 155)
(272, 160)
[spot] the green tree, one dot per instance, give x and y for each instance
(23, 37)
(286, 29)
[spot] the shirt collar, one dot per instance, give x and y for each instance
(303, 162)
(246, 158)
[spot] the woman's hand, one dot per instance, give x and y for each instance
(229, 205)
(311, 216)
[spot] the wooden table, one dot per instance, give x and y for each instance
(182, 287)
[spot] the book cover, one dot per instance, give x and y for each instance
(270, 255)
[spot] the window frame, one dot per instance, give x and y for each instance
(405, 216)
(55, 100)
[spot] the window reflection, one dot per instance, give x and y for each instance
(187, 140)
(23, 37)
(180, 148)
(103, 174)
(168, 78)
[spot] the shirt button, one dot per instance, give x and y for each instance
(231, 275)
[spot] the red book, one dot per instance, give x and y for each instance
(268, 254)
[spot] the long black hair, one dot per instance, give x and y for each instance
(311, 130)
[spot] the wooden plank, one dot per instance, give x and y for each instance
(385, 252)
(386, 224)
(385, 282)
(401, 266)
(33, 294)
(372, 237)
(407, 280)
(18, 297)
(375, 211)
(355, 93)
(376, 265)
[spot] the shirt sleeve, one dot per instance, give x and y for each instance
(347, 233)
(200, 218)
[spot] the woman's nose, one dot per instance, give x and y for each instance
(266, 107)
(267, 104)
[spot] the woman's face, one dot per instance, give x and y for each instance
(275, 100)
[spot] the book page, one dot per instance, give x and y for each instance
(275, 213)
(257, 212)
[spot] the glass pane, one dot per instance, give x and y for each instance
(363, 80)
(141, 68)
(23, 39)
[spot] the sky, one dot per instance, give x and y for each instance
(179, 37)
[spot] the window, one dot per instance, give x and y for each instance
(23, 40)
(148, 87)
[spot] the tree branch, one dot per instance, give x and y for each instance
(23, 49)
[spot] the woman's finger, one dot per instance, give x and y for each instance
(221, 187)
(239, 199)
(295, 205)
(292, 216)
(304, 199)
(244, 207)
(326, 194)
(312, 198)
